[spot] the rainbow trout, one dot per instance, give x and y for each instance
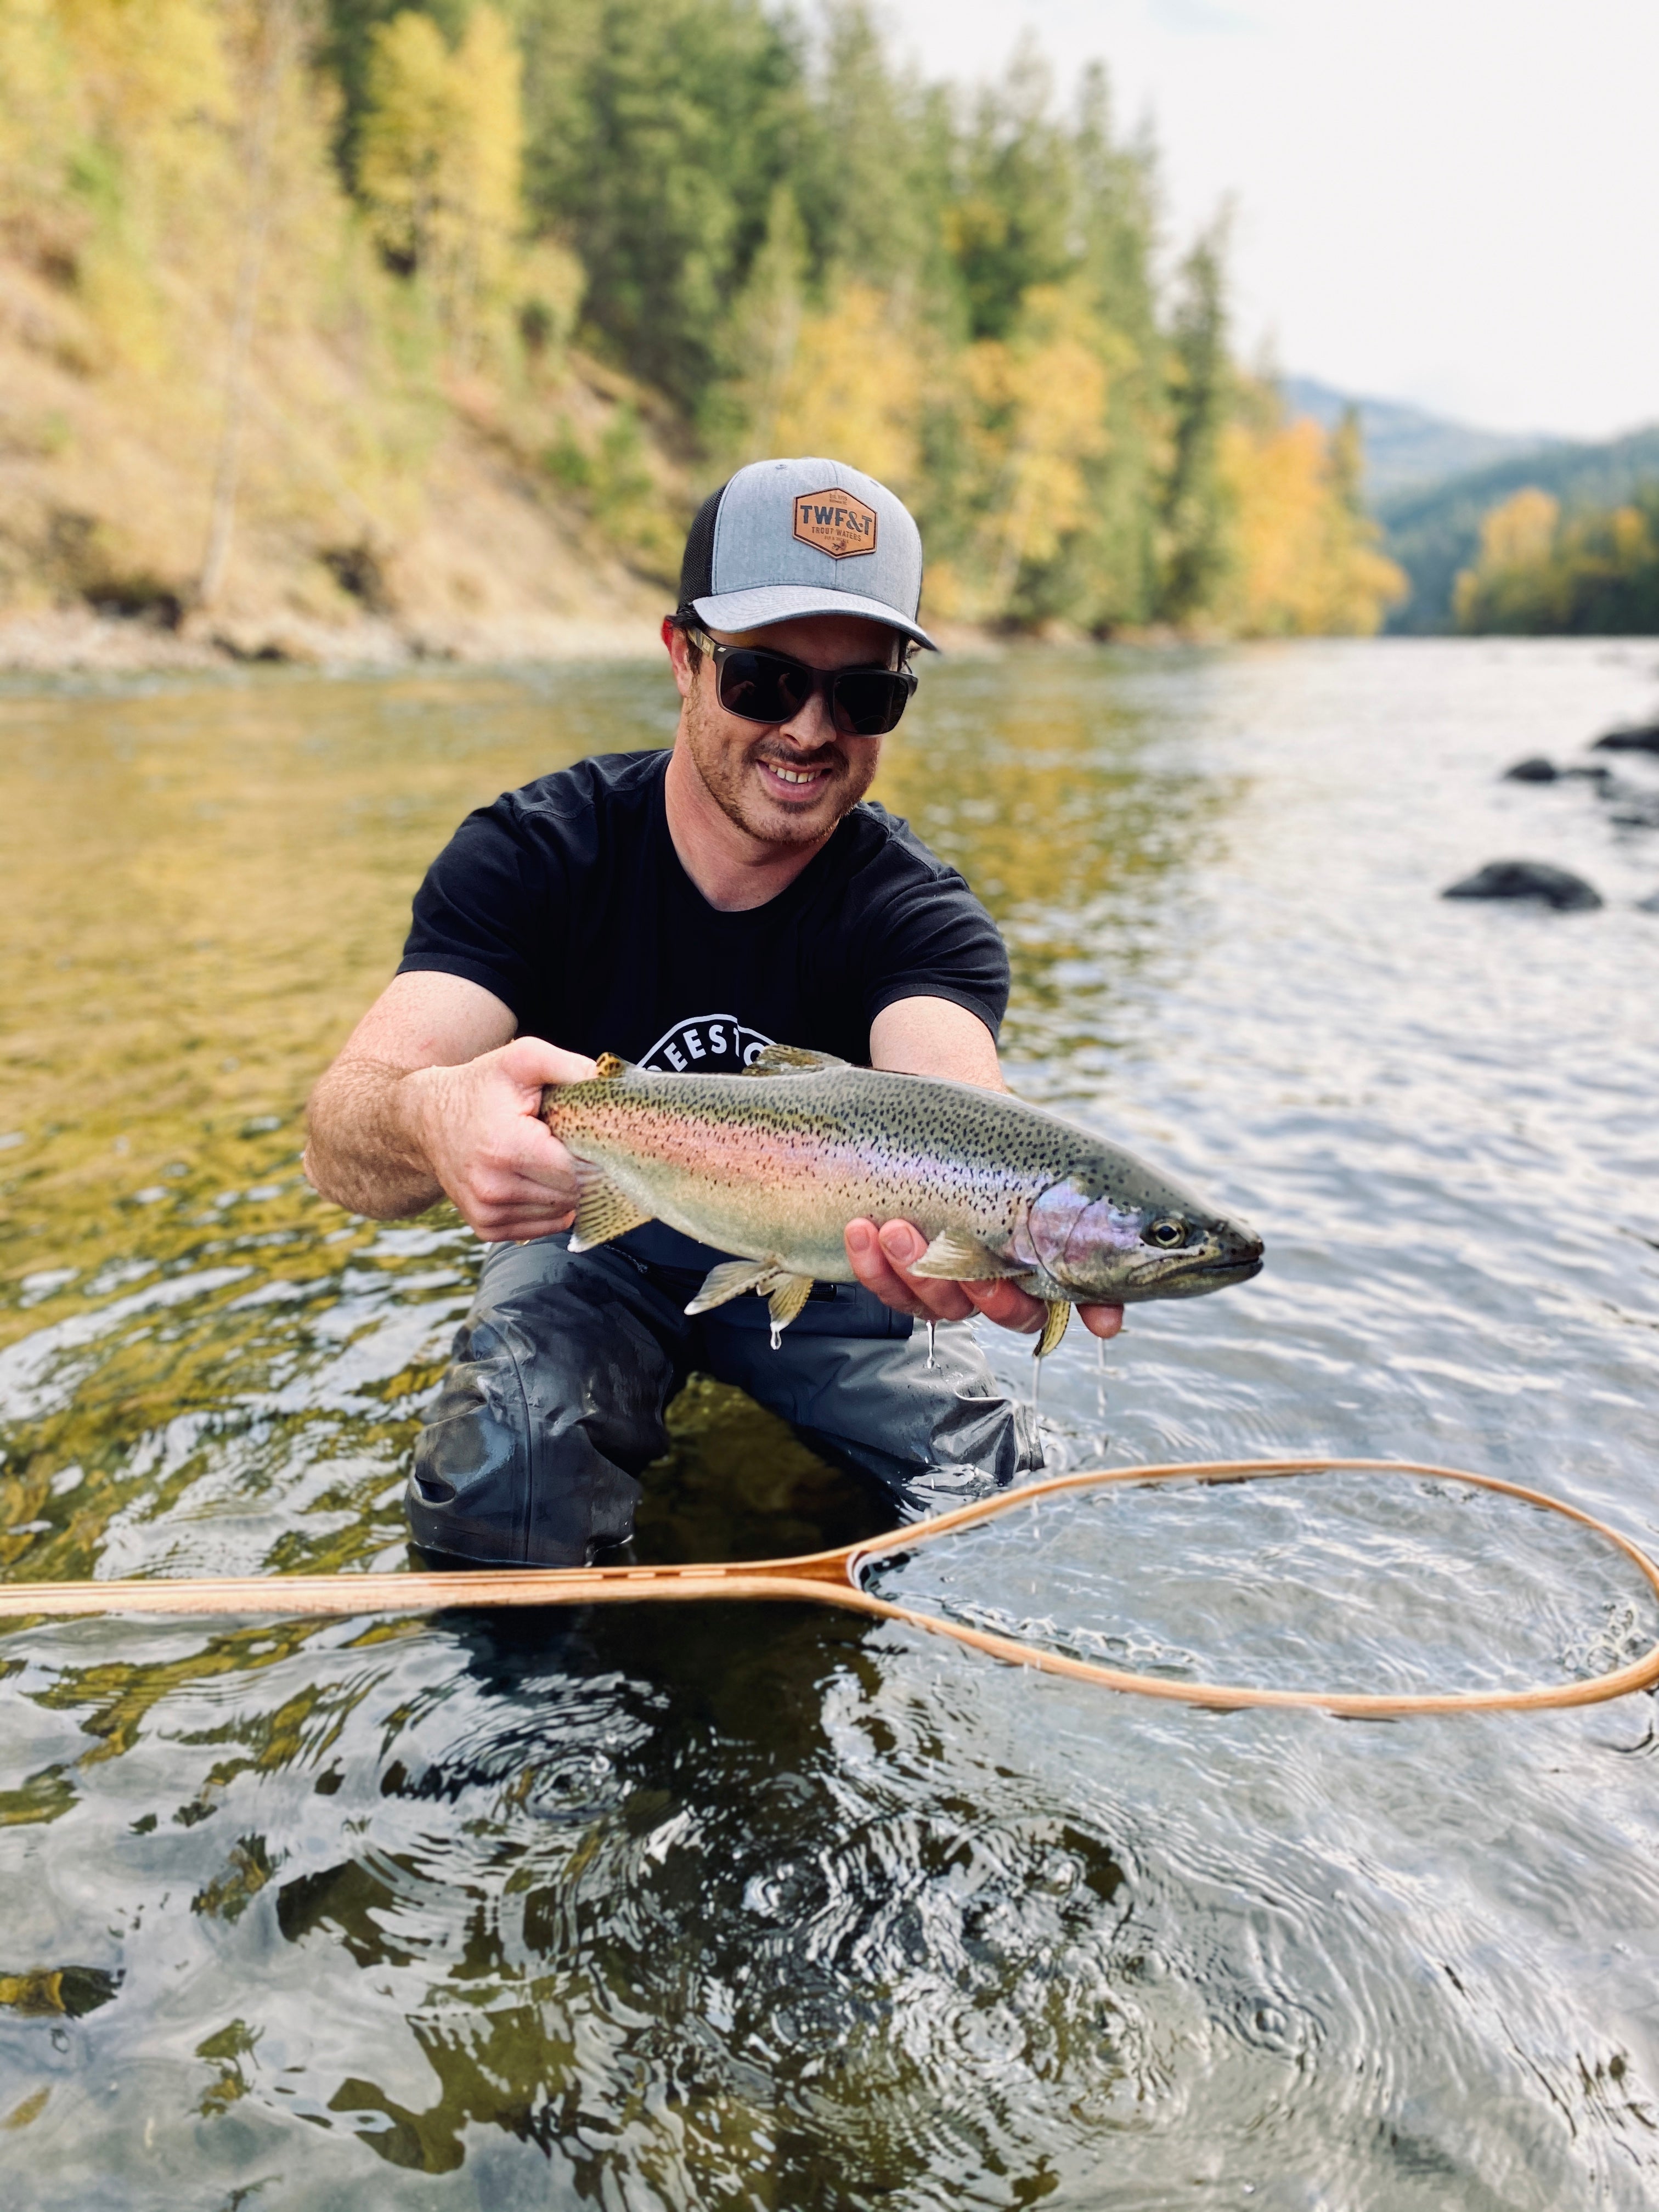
(773, 1164)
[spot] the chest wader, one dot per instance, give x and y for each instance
(563, 1369)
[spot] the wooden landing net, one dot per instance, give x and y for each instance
(837, 1578)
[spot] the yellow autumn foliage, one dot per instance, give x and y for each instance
(1305, 559)
(438, 162)
(853, 387)
(42, 108)
(1040, 405)
(1594, 571)
(1516, 542)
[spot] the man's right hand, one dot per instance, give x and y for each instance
(480, 1128)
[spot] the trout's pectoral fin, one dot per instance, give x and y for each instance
(954, 1256)
(603, 1212)
(791, 1059)
(1053, 1327)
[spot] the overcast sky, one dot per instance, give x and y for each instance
(1452, 201)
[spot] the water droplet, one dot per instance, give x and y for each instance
(777, 1337)
(932, 1327)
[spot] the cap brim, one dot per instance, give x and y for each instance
(775, 603)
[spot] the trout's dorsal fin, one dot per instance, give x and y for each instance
(608, 1065)
(954, 1256)
(791, 1059)
(602, 1212)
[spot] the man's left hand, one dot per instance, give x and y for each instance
(882, 1258)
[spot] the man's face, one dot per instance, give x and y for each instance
(784, 783)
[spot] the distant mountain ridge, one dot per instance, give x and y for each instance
(1434, 530)
(1408, 448)
(1430, 481)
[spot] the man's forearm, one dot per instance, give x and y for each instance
(364, 1150)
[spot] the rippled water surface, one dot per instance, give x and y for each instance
(717, 1906)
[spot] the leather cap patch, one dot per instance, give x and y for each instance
(837, 522)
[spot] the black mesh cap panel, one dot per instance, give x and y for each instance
(697, 567)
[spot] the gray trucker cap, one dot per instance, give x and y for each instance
(786, 539)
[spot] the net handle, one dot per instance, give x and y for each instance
(835, 1577)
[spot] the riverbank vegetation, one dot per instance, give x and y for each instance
(443, 317)
(1546, 572)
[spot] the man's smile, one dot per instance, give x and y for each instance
(796, 778)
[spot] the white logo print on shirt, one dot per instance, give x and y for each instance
(716, 1043)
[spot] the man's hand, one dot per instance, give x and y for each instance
(479, 1126)
(882, 1257)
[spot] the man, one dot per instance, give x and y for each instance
(683, 910)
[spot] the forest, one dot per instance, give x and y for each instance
(274, 277)
(1545, 571)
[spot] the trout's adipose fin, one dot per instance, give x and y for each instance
(791, 1060)
(603, 1212)
(785, 1292)
(954, 1256)
(1053, 1327)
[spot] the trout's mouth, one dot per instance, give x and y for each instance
(1213, 1266)
(1191, 1281)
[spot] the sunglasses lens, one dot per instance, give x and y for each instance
(762, 687)
(767, 687)
(868, 701)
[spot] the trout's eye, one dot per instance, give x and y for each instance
(1167, 1234)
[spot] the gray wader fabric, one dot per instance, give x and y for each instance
(564, 1368)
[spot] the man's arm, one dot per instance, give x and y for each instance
(431, 1096)
(936, 1037)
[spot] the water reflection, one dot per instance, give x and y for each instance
(1344, 1582)
(767, 1907)
(1070, 801)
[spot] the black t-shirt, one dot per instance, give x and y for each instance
(567, 899)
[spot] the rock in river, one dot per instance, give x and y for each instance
(1527, 879)
(1535, 768)
(1629, 741)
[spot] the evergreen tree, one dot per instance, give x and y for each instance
(1195, 558)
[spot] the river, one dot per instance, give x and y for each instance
(732, 1907)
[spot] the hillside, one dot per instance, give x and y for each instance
(1407, 448)
(376, 521)
(1434, 532)
(360, 330)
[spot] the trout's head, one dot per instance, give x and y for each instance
(1137, 1237)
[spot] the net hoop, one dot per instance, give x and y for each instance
(1641, 1674)
(835, 1577)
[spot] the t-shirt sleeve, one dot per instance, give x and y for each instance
(484, 903)
(934, 940)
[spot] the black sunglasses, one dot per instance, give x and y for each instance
(770, 687)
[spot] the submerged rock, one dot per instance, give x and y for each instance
(1533, 769)
(1527, 879)
(1629, 741)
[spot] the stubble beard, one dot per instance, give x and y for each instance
(725, 765)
